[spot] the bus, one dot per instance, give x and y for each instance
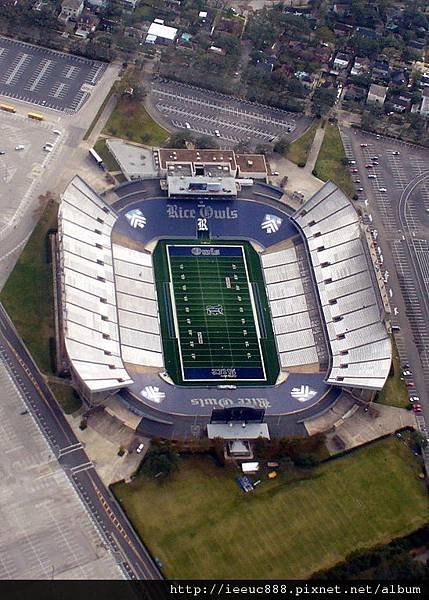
(35, 116)
(8, 108)
(97, 158)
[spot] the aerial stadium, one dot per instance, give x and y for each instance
(205, 302)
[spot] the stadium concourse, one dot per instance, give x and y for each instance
(133, 322)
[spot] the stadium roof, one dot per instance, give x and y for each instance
(351, 303)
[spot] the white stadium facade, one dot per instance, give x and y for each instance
(327, 302)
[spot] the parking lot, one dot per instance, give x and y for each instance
(46, 77)
(230, 120)
(394, 177)
(45, 531)
(20, 169)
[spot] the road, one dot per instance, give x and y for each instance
(105, 512)
(394, 199)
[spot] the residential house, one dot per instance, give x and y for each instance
(360, 66)
(341, 62)
(376, 94)
(87, 23)
(158, 33)
(424, 106)
(71, 9)
(129, 4)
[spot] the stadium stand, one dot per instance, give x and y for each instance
(100, 332)
(137, 307)
(359, 342)
(289, 309)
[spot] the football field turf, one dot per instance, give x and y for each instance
(215, 320)
(214, 312)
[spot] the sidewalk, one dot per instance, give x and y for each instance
(314, 150)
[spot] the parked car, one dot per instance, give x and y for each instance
(382, 189)
(414, 398)
(396, 153)
(364, 145)
(371, 176)
(368, 166)
(140, 448)
(19, 147)
(354, 171)
(417, 408)
(407, 373)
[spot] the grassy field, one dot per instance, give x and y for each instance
(329, 164)
(28, 295)
(110, 162)
(395, 391)
(131, 121)
(299, 149)
(99, 112)
(66, 397)
(202, 526)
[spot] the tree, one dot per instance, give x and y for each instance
(205, 141)
(323, 100)
(281, 146)
(179, 140)
(161, 458)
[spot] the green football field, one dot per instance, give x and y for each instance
(214, 313)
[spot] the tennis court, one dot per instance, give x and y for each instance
(214, 313)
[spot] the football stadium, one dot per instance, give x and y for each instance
(205, 302)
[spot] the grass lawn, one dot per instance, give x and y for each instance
(202, 526)
(329, 163)
(110, 162)
(66, 397)
(131, 121)
(28, 295)
(395, 391)
(299, 149)
(99, 112)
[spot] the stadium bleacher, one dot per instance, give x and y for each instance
(360, 344)
(100, 335)
(289, 309)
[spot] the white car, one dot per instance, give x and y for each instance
(187, 125)
(19, 147)
(382, 189)
(47, 148)
(140, 448)
(217, 133)
(414, 399)
(56, 131)
(407, 373)
(370, 176)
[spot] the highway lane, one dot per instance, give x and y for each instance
(105, 512)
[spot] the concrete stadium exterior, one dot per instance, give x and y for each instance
(327, 300)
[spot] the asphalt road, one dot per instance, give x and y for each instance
(105, 512)
(395, 204)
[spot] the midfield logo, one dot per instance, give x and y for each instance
(303, 393)
(136, 218)
(153, 393)
(271, 223)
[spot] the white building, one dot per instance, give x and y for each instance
(160, 33)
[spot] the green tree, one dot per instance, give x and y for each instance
(161, 458)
